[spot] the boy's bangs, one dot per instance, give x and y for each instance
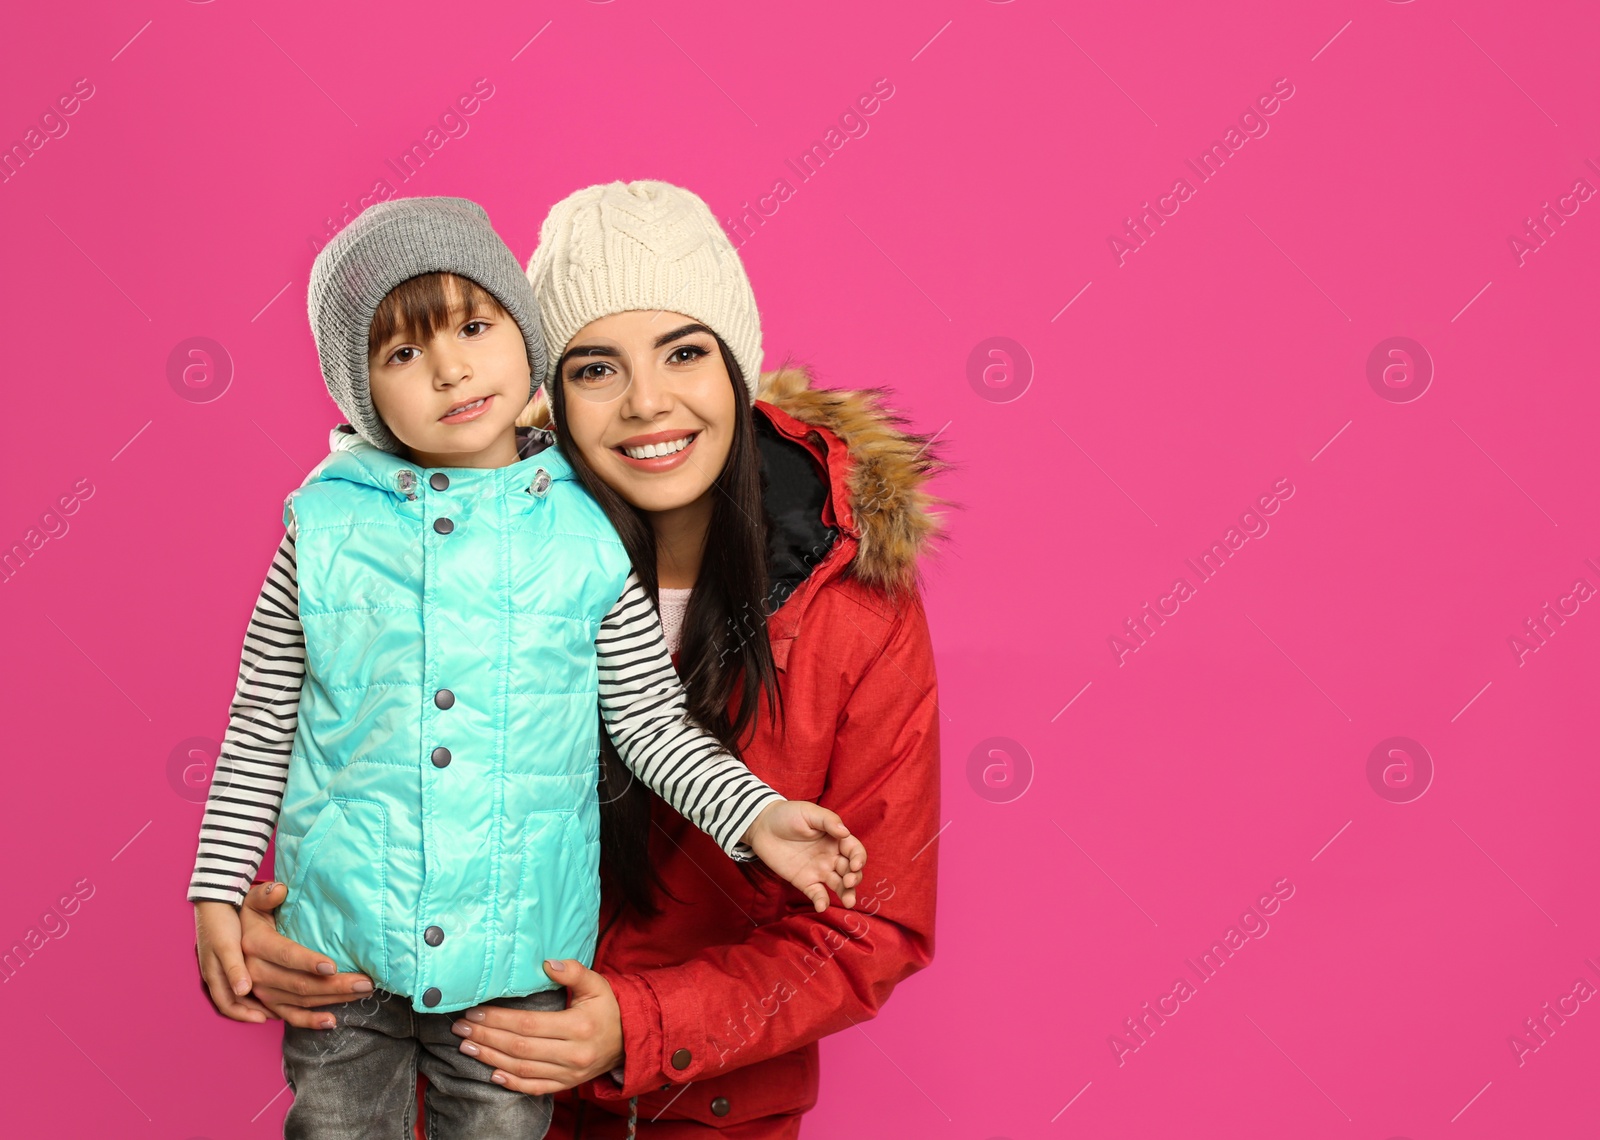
(420, 306)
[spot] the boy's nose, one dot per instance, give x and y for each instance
(451, 366)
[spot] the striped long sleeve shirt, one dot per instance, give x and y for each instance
(642, 703)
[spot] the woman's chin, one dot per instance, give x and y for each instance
(657, 491)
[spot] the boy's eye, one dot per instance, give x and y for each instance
(399, 355)
(474, 328)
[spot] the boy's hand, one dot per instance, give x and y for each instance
(811, 847)
(222, 970)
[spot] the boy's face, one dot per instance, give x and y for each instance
(453, 401)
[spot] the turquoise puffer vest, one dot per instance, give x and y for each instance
(440, 828)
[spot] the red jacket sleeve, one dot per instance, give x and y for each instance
(806, 975)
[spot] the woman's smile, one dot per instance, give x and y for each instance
(658, 451)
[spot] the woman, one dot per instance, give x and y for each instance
(783, 535)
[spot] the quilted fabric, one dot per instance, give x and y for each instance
(458, 874)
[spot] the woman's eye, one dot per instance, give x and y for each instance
(591, 373)
(694, 351)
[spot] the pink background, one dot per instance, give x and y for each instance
(1159, 797)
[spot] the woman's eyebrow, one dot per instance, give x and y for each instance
(668, 338)
(589, 350)
(612, 350)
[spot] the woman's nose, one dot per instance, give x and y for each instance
(647, 396)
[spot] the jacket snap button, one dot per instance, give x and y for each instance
(443, 526)
(441, 757)
(438, 480)
(444, 698)
(681, 1059)
(431, 997)
(433, 935)
(541, 482)
(719, 1106)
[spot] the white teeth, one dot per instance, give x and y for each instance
(466, 407)
(653, 450)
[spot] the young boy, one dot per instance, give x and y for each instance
(415, 711)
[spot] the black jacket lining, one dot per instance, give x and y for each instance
(794, 492)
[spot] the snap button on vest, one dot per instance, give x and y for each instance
(681, 1059)
(438, 480)
(433, 935)
(431, 997)
(443, 526)
(719, 1106)
(541, 482)
(441, 757)
(444, 698)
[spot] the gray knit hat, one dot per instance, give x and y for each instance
(623, 246)
(392, 242)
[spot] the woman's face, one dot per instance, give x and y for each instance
(649, 404)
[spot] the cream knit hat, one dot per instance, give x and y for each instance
(641, 245)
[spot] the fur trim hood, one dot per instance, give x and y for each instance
(895, 518)
(879, 495)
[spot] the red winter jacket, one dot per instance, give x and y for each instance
(725, 992)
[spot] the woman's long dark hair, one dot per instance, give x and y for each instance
(727, 658)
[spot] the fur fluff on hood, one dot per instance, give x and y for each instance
(893, 513)
(895, 517)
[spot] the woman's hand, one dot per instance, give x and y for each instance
(811, 847)
(539, 1051)
(290, 981)
(222, 970)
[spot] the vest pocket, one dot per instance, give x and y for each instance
(338, 890)
(305, 852)
(558, 898)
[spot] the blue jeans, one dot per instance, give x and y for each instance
(358, 1080)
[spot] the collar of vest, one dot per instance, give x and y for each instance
(354, 459)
